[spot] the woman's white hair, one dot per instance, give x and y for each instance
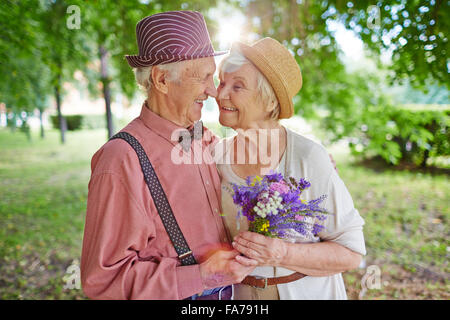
(236, 60)
(143, 74)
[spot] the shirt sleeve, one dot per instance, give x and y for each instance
(116, 230)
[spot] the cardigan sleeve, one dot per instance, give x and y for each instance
(344, 225)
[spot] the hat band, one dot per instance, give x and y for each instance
(163, 58)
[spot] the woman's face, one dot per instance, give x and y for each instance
(239, 101)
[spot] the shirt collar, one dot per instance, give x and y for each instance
(161, 126)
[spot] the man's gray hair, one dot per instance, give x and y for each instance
(143, 74)
(236, 60)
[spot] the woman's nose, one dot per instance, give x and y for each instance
(222, 93)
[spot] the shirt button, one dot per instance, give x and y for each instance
(207, 182)
(216, 210)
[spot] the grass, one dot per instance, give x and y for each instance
(406, 232)
(43, 191)
(43, 187)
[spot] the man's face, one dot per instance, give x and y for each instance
(195, 85)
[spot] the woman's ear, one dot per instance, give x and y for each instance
(271, 106)
(159, 79)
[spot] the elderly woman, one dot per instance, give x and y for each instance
(257, 84)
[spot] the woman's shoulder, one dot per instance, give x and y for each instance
(305, 146)
(309, 152)
(226, 140)
(221, 150)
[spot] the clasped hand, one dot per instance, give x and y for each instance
(266, 251)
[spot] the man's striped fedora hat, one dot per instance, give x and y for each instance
(171, 36)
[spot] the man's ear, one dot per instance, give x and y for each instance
(159, 79)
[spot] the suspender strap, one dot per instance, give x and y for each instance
(160, 199)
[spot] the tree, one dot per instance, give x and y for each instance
(39, 53)
(65, 50)
(24, 83)
(414, 31)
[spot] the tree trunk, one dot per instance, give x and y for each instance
(426, 155)
(61, 119)
(41, 120)
(13, 122)
(106, 90)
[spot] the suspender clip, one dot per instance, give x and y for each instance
(184, 255)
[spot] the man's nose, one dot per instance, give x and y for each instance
(211, 89)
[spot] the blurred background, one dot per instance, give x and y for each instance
(375, 94)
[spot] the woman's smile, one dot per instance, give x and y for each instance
(228, 109)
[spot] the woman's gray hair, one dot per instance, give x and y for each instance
(236, 60)
(143, 74)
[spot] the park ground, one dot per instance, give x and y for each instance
(43, 192)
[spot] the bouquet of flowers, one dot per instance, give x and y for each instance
(273, 207)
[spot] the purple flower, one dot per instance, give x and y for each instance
(281, 187)
(303, 184)
(274, 177)
(281, 217)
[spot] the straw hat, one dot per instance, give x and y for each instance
(279, 67)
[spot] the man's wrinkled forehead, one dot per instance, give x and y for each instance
(201, 66)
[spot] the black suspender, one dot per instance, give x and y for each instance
(160, 199)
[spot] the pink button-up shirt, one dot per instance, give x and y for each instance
(127, 253)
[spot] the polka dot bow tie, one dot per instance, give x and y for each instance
(195, 132)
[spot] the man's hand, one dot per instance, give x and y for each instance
(222, 269)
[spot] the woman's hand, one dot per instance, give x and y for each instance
(267, 251)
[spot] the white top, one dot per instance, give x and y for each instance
(303, 158)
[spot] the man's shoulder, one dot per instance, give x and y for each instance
(115, 153)
(111, 156)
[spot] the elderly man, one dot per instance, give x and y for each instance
(153, 227)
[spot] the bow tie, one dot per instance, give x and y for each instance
(195, 132)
